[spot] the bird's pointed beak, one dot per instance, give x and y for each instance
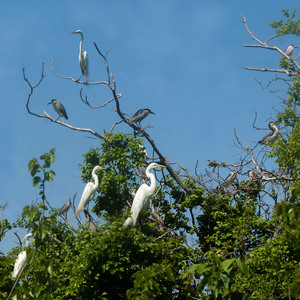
(162, 166)
(102, 168)
(49, 103)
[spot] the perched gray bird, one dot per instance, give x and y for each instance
(65, 208)
(59, 108)
(289, 50)
(89, 219)
(83, 58)
(272, 135)
(140, 115)
(229, 179)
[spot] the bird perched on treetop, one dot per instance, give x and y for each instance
(65, 208)
(229, 179)
(289, 50)
(272, 135)
(140, 115)
(142, 197)
(59, 108)
(83, 58)
(21, 260)
(89, 191)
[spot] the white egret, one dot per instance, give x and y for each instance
(83, 58)
(140, 115)
(142, 197)
(21, 260)
(272, 135)
(59, 108)
(89, 191)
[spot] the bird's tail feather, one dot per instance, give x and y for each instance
(128, 222)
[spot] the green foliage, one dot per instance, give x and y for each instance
(119, 153)
(36, 167)
(290, 26)
(217, 275)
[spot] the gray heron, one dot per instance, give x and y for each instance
(140, 115)
(289, 50)
(59, 108)
(272, 135)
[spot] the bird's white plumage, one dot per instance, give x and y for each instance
(83, 58)
(142, 197)
(88, 192)
(21, 259)
(19, 264)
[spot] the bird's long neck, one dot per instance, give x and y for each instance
(96, 180)
(152, 181)
(275, 130)
(80, 44)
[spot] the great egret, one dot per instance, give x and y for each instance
(142, 197)
(59, 108)
(289, 50)
(229, 179)
(83, 58)
(272, 135)
(65, 208)
(140, 115)
(21, 260)
(89, 191)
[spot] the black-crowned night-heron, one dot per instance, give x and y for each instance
(90, 220)
(59, 108)
(65, 208)
(83, 58)
(229, 179)
(272, 135)
(142, 197)
(289, 50)
(140, 115)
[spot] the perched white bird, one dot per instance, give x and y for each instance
(21, 260)
(89, 191)
(83, 58)
(289, 50)
(142, 197)
(272, 135)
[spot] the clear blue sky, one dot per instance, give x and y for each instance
(181, 59)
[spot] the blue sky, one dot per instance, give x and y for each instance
(181, 59)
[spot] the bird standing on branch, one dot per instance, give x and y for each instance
(65, 208)
(59, 108)
(272, 135)
(289, 50)
(140, 115)
(21, 260)
(229, 179)
(89, 191)
(142, 197)
(83, 58)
